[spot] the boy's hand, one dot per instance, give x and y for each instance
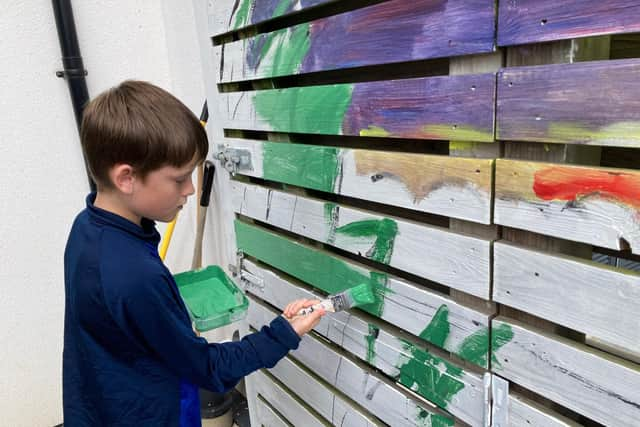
(302, 324)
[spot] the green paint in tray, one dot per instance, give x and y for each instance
(213, 300)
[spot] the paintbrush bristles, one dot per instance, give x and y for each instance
(359, 295)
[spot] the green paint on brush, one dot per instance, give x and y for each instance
(475, 348)
(361, 295)
(242, 14)
(384, 230)
(323, 271)
(303, 165)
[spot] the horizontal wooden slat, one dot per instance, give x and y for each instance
(451, 186)
(532, 21)
(585, 296)
(367, 388)
(440, 381)
(314, 393)
(432, 316)
(268, 416)
(390, 32)
(230, 15)
(596, 103)
(592, 205)
(461, 262)
(586, 381)
(445, 108)
(526, 413)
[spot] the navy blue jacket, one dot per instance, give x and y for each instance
(129, 350)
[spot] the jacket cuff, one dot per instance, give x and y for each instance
(285, 332)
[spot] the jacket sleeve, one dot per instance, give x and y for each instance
(149, 314)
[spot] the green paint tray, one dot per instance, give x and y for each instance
(213, 300)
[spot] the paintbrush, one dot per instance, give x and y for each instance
(352, 297)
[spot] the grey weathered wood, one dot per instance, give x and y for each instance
(586, 296)
(526, 413)
(290, 405)
(387, 349)
(367, 388)
(460, 261)
(587, 381)
(268, 416)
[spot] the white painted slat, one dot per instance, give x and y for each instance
(451, 186)
(412, 309)
(285, 403)
(525, 413)
(368, 389)
(456, 260)
(389, 351)
(267, 416)
(586, 296)
(589, 382)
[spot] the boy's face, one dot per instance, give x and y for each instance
(163, 192)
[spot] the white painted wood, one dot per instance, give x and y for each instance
(391, 348)
(591, 298)
(267, 416)
(587, 381)
(461, 262)
(453, 197)
(287, 404)
(526, 413)
(370, 390)
(407, 307)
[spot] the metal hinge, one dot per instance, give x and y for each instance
(236, 268)
(247, 280)
(234, 159)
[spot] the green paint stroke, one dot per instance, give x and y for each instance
(303, 165)
(320, 270)
(371, 343)
(242, 14)
(439, 328)
(426, 419)
(475, 348)
(383, 230)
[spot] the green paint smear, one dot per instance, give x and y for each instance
(320, 270)
(362, 295)
(384, 230)
(459, 133)
(475, 347)
(302, 165)
(371, 343)
(242, 14)
(438, 329)
(624, 134)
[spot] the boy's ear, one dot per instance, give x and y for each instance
(122, 176)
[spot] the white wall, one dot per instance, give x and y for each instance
(42, 180)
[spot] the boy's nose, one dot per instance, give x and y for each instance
(191, 189)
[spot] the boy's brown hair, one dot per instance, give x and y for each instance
(142, 125)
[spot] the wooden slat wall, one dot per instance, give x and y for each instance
(475, 198)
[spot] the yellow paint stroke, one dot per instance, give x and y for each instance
(457, 133)
(422, 174)
(623, 134)
(375, 131)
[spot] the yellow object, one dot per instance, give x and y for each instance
(166, 239)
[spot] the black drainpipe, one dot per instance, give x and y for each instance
(74, 70)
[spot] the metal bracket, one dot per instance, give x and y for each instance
(500, 402)
(236, 268)
(234, 159)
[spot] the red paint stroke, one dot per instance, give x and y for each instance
(563, 183)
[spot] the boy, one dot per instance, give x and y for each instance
(130, 356)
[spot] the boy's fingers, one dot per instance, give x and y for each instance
(293, 307)
(310, 302)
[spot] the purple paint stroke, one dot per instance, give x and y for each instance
(405, 107)
(401, 30)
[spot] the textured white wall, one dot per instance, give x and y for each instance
(42, 181)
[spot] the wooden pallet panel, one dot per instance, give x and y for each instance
(268, 416)
(301, 386)
(591, 205)
(424, 313)
(457, 108)
(594, 103)
(586, 381)
(455, 187)
(526, 413)
(390, 32)
(367, 388)
(585, 296)
(533, 21)
(230, 15)
(461, 262)
(440, 381)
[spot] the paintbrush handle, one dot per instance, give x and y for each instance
(326, 304)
